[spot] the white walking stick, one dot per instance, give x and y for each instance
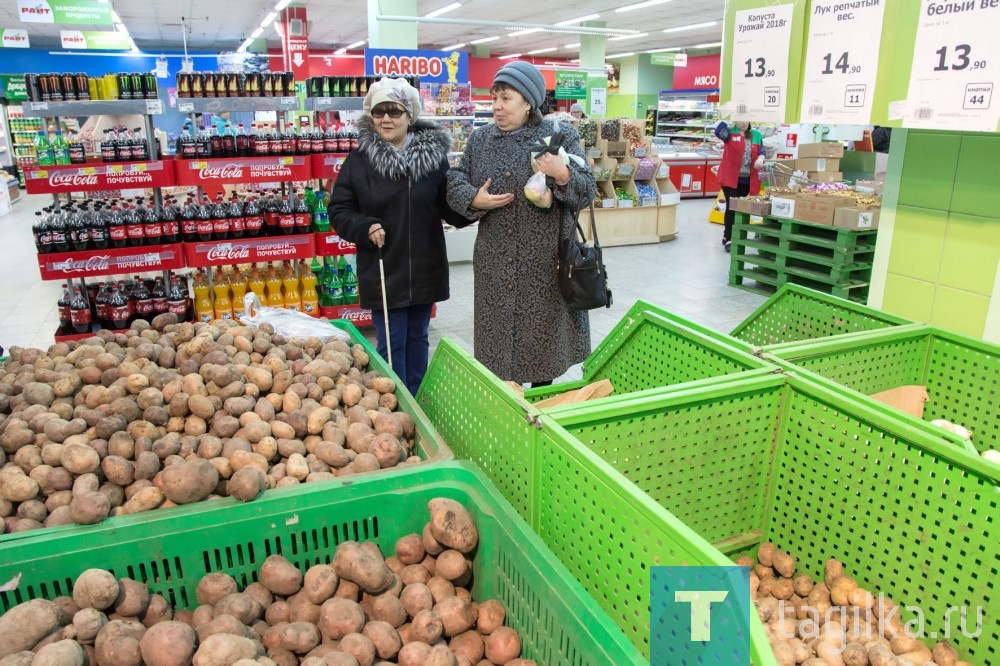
(385, 306)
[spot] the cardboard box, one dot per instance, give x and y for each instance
(814, 209)
(870, 186)
(783, 207)
(825, 176)
(741, 205)
(857, 218)
(910, 399)
(823, 149)
(817, 164)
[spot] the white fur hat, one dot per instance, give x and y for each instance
(397, 91)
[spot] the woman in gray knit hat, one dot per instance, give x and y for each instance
(524, 331)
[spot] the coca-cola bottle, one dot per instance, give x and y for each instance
(123, 145)
(140, 147)
(275, 144)
(79, 312)
(58, 233)
(152, 226)
(118, 307)
(116, 228)
(189, 222)
(331, 142)
(352, 137)
(237, 222)
(187, 149)
(40, 230)
(343, 141)
(134, 227)
(79, 223)
(101, 305)
(63, 306)
(99, 237)
(242, 141)
(177, 300)
(228, 142)
(203, 147)
(272, 218)
(221, 225)
(216, 143)
(261, 144)
(290, 142)
(76, 152)
(205, 224)
(107, 147)
(303, 221)
(171, 224)
(286, 219)
(159, 294)
(254, 218)
(143, 300)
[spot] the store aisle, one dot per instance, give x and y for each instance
(686, 276)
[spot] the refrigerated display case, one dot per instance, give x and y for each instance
(687, 120)
(687, 172)
(22, 134)
(8, 154)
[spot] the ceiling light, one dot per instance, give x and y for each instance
(524, 32)
(693, 26)
(588, 17)
(485, 39)
(575, 60)
(572, 46)
(245, 45)
(548, 50)
(675, 48)
(443, 10)
(640, 5)
(453, 47)
(281, 5)
(508, 57)
(509, 25)
(706, 45)
(356, 44)
(256, 33)
(340, 52)
(618, 39)
(115, 17)
(620, 55)
(269, 19)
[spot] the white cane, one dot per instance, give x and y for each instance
(385, 305)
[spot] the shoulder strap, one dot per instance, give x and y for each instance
(593, 226)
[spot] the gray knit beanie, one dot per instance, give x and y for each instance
(525, 79)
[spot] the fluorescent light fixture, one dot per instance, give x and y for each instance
(620, 55)
(245, 45)
(693, 26)
(548, 50)
(256, 33)
(640, 5)
(356, 44)
(340, 52)
(618, 39)
(575, 60)
(115, 17)
(524, 32)
(453, 47)
(706, 45)
(509, 57)
(485, 39)
(675, 48)
(443, 10)
(269, 19)
(588, 17)
(572, 46)
(281, 5)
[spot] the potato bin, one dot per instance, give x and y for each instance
(960, 373)
(814, 470)
(557, 621)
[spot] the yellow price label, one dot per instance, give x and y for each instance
(40, 174)
(88, 171)
(115, 168)
(199, 165)
(141, 167)
(287, 160)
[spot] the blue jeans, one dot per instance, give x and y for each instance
(408, 335)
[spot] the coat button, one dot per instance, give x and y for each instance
(506, 173)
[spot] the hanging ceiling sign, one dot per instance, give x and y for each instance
(78, 12)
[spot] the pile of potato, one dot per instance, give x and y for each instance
(833, 622)
(413, 609)
(174, 413)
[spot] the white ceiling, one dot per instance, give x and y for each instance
(222, 25)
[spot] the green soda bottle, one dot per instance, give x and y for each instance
(351, 296)
(342, 267)
(60, 149)
(337, 296)
(43, 150)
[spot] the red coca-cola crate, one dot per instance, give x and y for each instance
(99, 177)
(61, 336)
(112, 261)
(353, 314)
(237, 170)
(327, 165)
(329, 244)
(249, 250)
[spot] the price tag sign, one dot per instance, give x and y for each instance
(115, 168)
(88, 171)
(956, 67)
(760, 63)
(287, 160)
(154, 106)
(140, 167)
(841, 62)
(185, 107)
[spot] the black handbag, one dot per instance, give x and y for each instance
(583, 279)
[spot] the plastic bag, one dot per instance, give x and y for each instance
(288, 323)
(537, 191)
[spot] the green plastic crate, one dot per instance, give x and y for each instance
(961, 374)
(650, 348)
(798, 313)
(558, 622)
(606, 531)
(821, 474)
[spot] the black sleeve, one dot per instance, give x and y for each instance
(344, 210)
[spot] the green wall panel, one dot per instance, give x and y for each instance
(971, 253)
(917, 242)
(931, 162)
(908, 298)
(977, 177)
(960, 311)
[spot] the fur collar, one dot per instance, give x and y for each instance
(428, 148)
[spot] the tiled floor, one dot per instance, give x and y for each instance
(686, 276)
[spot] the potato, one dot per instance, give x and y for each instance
(491, 616)
(118, 643)
(145, 499)
(784, 564)
(319, 583)
(452, 526)
(222, 624)
(384, 637)
(241, 606)
(354, 563)
(389, 609)
(414, 653)
(133, 598)
(360, 647)
(503, 645)
(18, 659)
(61, 653)
(299, 637)
(410, 549)
(842, 589)
(15, 486)
(247, 484)
(414, 573)
(440, 588)
(427, 627)
(277, 613)
(168, 644)
(457, 615)
(24, 625)
(944, 654)
(300, 609)
(280, 576)
(469, 645)
(213, 587)
(417, 597)
(157, 611)
(451, 565)
(87, 622)
(340, 617)
(95, 588)
(226, 649)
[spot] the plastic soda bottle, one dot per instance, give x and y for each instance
(203, 309)
(351, 296)
(238, 285)
(256, 285)
(293, 297)
(275, 298)
(43, 150)
(310, 299)
(223, 304)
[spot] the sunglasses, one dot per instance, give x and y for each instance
(393, 113)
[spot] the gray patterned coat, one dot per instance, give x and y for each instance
(523, 330)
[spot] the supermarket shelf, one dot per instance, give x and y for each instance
(98, 177)
(327, 165)
(687, 111)
(249, 250)
(329, 244)
(236, 104)
(110, 107)
(335, 103)
(111, 261)
(685, 125)
(450, 117)
(236, 170)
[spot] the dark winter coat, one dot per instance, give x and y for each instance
(524, 332)
(404, 190)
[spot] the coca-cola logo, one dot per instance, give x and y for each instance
(60, 179)
(221, 172)
(357, 316)
(92, 264)
(345, 245)
(228, 253)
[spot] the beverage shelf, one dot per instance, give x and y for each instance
(107, 107)
(327, 165)
(249, 250)
(111, 261)
(237, 104)
(99, 177)
(329, 244)
(236, 170)
(335, 103)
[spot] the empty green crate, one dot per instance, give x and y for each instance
(798, 313)
(819, 473)
(650, 349)
(962, 375)
(558, 622)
